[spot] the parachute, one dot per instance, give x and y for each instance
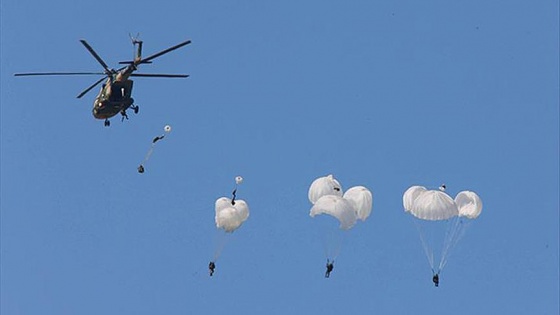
(469, 204)
(440, 219)
(324, 186)
(141, 167)
(328, 199)
(230, 213)
(338, 207)
(361, 199)
(434, 205)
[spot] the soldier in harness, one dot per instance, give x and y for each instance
(330, 267)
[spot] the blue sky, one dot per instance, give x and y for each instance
(385, 94)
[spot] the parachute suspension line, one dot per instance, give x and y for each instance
(427, 249)
(221, 240)
(450, 232)
(332, 238)
(454, 234)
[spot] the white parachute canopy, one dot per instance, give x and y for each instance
(469, 204)
(434, 205)
(337, 207)
(230, 215)
(361, 199)
(326, 195)
(410, 195)
(324, 186)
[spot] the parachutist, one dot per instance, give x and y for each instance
(211, 267)
(435, 279)
(156, 139)
(330, 267)
(141, 169)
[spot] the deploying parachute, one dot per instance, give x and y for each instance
(141, 168)
(327, 197)
(230, 215)
(440, 219)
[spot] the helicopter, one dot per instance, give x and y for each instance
(115, 95)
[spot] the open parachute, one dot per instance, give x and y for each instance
(440, 219)
(336, 212)
(434, 205)
(327, 197)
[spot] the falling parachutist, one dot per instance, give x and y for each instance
(141, 168)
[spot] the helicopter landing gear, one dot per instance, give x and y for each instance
(135, 108)
(124, 115)
(107, 123)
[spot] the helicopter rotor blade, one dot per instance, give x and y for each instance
(57, 73)
(153, 75)
(96, 56)
(91, 87)
(147, 59)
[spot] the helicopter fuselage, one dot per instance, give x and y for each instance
(113, 98)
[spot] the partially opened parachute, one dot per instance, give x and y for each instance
(229, 217)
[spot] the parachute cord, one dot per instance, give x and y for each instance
(150, 151)
(148, 155)
(221, 239)
(429, 253)
(332, 239)
(448, 240)
(459, 231)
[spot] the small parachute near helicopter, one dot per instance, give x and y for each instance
(338, 212)
(230, 213)
(440, 220)
(141, 167)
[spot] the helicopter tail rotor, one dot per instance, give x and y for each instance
(138, 47)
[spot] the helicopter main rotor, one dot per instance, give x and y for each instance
(110, 72)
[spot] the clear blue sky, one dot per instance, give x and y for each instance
(385, 94)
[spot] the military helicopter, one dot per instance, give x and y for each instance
(115, 94)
